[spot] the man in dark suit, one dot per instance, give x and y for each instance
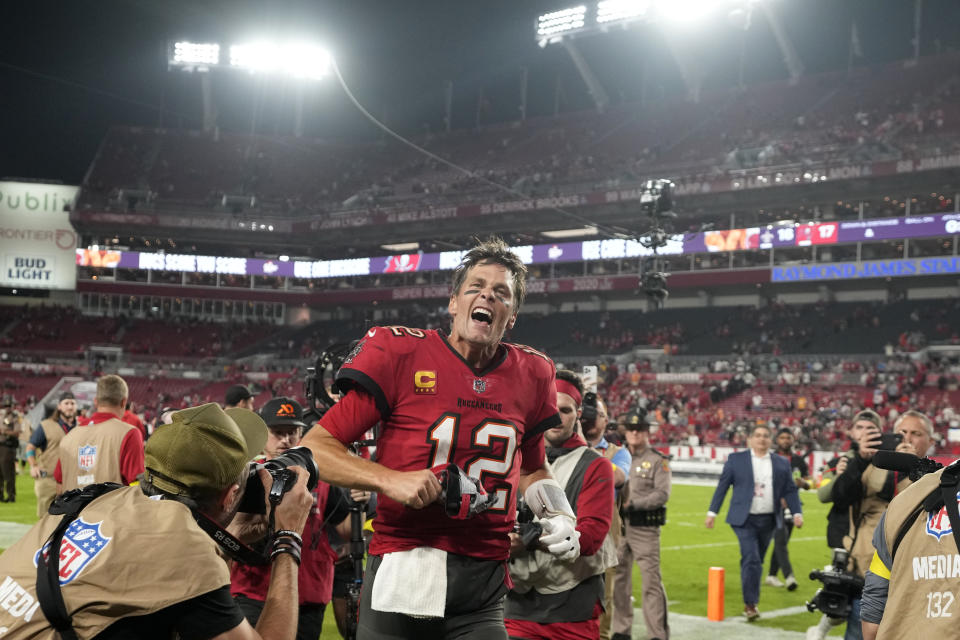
(760, 480)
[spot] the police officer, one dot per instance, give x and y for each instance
(9, 443)
(648, 490)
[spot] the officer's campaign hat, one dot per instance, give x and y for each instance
(203, 447)
(635, 422)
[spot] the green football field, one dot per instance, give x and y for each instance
(688, 551)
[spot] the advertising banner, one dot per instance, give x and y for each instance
(37, 243)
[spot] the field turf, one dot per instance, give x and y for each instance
(688, 550)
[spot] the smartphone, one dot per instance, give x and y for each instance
(889, 441)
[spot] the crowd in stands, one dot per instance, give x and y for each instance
(721, 410)
(891, 112)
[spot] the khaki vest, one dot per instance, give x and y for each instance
(925, 571)
(99, 460)
(47, 459)
(128, 555)
(871, 508)
(541, 570)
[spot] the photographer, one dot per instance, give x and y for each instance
(916, 530)
(865, 490)
(249, 583)
(142, 562)
(554, 598)
(43, 450)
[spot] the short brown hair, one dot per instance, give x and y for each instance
(494, 251)
(112, 390)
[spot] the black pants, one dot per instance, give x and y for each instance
(780, 558)
(309, 622)
(8, 472)
(474, 608)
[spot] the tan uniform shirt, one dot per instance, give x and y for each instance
(650, 480)
(125, 555)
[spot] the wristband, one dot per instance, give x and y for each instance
(288, 550)
(287, 533)
(30, 453)
(286, 543)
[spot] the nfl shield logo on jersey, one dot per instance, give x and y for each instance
(81, 543)
(86, 456)
(938, 524)
(479, 385)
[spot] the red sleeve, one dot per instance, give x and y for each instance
(595, 506)
(131, 456)
(545, 415)
(532, 454)
(349, 419)
(58, 473)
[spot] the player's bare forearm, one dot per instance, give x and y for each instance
(339, 467)
(869, 629)
(527, 478)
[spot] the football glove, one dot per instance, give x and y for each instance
(462, 497)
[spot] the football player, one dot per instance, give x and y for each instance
(466, 399)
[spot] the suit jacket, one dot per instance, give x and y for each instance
(738, 471)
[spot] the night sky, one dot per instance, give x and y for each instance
(71, 69)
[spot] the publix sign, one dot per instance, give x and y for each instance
(37, 243)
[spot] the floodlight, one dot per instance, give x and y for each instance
(187, 54)
(561, 21)
(614, 10)
(685, 10)
(301, 60)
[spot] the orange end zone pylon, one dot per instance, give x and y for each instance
(715, 594)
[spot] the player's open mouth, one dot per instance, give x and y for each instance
(482, 315)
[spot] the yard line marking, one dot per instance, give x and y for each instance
(707, 545)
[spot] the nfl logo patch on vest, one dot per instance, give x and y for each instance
(81, 543)
(479, 385)
(86, 456)
(938, 524)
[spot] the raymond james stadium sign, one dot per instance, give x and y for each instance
(870, 269)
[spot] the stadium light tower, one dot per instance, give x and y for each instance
(301, 60)
(600, 16)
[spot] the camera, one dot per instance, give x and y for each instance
(588, 410)
(283, 478)
(528, 530)
(890, 441)
(839, 589)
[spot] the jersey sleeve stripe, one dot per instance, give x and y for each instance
(548, 423)
(354, 376)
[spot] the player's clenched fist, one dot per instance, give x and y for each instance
(414, 489)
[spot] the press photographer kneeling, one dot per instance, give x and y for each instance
(143, 562)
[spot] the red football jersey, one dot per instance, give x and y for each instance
(436, 409)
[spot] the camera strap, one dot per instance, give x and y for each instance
(49, 594)
(230, 544)
(948, 488)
